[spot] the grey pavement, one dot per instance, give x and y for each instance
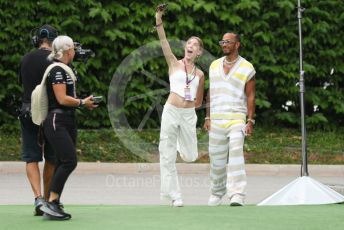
(139, 184)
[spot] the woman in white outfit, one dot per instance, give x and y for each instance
(178, 123)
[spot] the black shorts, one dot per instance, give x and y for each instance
(31, 151)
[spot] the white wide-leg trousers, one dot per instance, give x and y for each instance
(178, 133)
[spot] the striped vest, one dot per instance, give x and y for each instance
(228, 99)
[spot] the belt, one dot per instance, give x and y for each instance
(62, 111)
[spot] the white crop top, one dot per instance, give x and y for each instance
(178, 83)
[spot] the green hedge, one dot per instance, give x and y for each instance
(268, 145)
(114, 29)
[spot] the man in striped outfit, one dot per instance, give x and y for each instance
(230, 113)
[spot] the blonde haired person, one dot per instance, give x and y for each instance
(178, 123)
(60, 126)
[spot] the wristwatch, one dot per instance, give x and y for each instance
(251, 120)
(82, 102)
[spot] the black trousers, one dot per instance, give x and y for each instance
(61, 132)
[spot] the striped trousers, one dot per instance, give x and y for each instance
(227, 163)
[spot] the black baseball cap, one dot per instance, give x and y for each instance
(47, 31)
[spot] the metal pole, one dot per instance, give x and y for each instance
(304, 171)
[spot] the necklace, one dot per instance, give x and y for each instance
(187, 64)
(193, 71)
(230, 62)
(229, 66)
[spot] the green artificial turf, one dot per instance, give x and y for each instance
(190, 217)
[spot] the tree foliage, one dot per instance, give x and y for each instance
(115, 29)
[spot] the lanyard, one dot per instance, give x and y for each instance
(187, 81)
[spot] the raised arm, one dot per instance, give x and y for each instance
(166, 49)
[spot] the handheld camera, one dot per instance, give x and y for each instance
(162, 7)
(82, 54)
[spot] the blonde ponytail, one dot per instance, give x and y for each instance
(60, 44)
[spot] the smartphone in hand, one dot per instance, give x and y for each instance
(97, 99)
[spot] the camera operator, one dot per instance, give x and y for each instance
(32, 68)
(60, 126)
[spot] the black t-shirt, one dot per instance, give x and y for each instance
(32, 68)
(58, 75)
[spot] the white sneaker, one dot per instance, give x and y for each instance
(214, 200)
(177, 203)
(236, 200)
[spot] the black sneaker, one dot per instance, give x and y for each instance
(50, 217)
(54, 211)
(60, 205)
(39, 202)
